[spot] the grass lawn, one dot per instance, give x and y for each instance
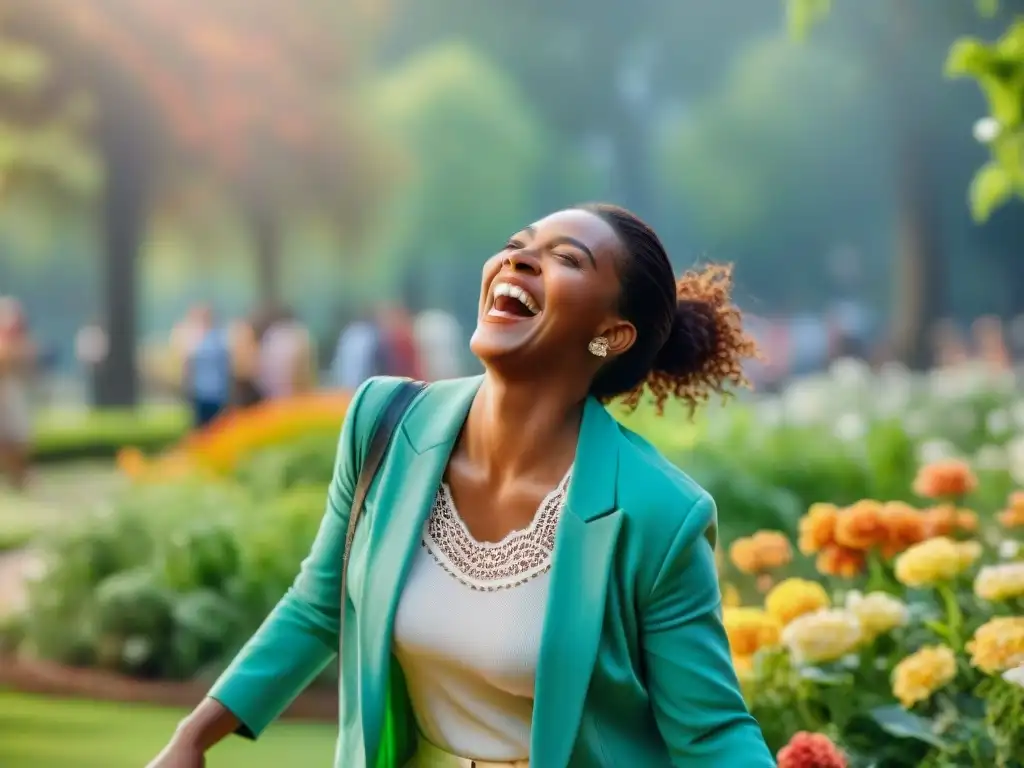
(41, 732)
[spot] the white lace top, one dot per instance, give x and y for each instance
(468, 630)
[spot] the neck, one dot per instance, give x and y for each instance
(518, 427)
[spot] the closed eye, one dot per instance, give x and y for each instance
(568, 257)
(513, 245)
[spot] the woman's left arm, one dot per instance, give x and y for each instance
(693, 687)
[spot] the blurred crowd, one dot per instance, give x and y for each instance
(216, 363)
(273, 354)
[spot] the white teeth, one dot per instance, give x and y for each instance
(515, 292)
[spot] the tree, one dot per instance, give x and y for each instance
(448, 108)
(893, 44)
(245, 90)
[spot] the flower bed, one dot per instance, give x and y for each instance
(907, 645)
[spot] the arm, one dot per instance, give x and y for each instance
(693, 687)
(300, 636)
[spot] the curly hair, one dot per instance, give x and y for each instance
(690, 337)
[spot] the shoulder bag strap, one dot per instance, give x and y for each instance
(383, 430)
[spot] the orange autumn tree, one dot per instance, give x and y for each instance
(253, 92)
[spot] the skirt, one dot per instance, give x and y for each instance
(429, 756)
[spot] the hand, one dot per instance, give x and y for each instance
(179, 754)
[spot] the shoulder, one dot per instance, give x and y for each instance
(667, 509)
(433, 407)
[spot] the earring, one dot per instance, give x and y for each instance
(598, 347)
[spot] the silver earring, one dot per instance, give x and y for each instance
(598, 347)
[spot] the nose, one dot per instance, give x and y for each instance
(523, 261)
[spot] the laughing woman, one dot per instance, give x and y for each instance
(529, 582)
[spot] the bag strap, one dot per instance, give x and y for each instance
(380, 439)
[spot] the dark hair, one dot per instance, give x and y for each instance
(690, 338)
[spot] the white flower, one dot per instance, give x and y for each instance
(990, 457)
(932, 451)
(1015, 675)
(878, 612)
(1009, 549)
(1015, 459)
(850, 373)
(986, 130)
(998, 422)
(850, 427)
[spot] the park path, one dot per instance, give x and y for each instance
(56, 496)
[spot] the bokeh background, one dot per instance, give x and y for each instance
(312, 187)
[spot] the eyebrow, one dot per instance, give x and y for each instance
(566, 240)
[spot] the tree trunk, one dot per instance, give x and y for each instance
(920, 264)
(920, 268)
(265, 227)
(125, 141)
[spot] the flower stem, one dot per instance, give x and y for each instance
(954, 617)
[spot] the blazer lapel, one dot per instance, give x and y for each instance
(582, 564)
(407, 484)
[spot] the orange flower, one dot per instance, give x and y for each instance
(835, 560)
(743, 553)
(903, 525)
(235, 435)
(764, 551)
(860, 526)
(1013, 515)
(949, 478)
(947, 520)
(131, 462)
(818, 528)
(811, 750)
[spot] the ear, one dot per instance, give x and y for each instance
(621, 336)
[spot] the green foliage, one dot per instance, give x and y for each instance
(171, 579)
(61, 435)
(454, 112)
(998, 69)
(802, 15)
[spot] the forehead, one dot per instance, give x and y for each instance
(583, 226)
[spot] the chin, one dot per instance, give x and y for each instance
(493, 342)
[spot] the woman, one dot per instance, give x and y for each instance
(17, 361)
(530, 583)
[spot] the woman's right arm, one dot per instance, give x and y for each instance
(300, 636)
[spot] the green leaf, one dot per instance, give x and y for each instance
(897, 722)
(821, 677)
(968, 56)
(987, 8)
(991, 187)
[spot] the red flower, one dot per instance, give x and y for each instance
(811, 750)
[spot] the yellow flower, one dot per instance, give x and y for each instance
(744, 665)
(749, 629)
(878, 612)
(825, 635)
(935, 560)
(793, 598)
(922, 673)
(730, 596)
(998, 644)
(1000, 582)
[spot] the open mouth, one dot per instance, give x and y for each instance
(512, 302)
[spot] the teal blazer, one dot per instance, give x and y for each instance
(634, 666)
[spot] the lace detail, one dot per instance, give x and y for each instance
(489, 566)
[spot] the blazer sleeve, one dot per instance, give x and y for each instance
(300, 636)
(694, 692)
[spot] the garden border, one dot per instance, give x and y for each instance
(45, 678)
